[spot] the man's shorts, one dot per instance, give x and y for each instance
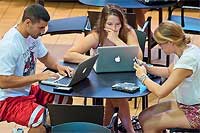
(28, 110)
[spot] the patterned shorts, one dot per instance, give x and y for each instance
(192, 113)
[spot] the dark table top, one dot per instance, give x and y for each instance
(100, 86)
(125, 3)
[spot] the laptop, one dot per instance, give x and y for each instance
(82, 71)
(157, 2)
(115, 59)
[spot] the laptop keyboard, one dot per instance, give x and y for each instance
(64, 80)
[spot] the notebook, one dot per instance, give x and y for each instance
(82, 71)
(156, 2)
(115, 59)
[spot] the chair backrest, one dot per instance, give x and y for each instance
(60, 114)
(141, 39)
(195, 3)
(94, 16)
(131, 19)
(190, 24)
(83, 127)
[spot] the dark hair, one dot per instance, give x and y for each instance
(35, 13)
(115, 10)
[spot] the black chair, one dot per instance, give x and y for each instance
(190, 25)
(142, 40)
(60, 114)
(79, 127)
(184, 130)
(68, 25)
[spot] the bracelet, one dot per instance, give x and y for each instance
(142, 78)
(149, 65)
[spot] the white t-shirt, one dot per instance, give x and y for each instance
(18, 56)
(188, 92)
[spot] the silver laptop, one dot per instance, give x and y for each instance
(82, 71)
(115, 59)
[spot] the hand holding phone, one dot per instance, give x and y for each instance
(136, 60)
(139, 62)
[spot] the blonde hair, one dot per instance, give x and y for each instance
(169, 31)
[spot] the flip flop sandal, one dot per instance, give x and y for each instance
(121, 128)
(135, 123)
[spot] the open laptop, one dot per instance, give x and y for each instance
(82, 71)
(115, 59)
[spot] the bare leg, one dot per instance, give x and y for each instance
(108, 112)
(39, 129)
(124, 112)
(162, 116)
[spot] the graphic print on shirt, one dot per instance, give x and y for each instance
(29, 67)
(29, 61)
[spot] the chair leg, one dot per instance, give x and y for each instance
(144, 102)
(135, 103)
(116, 110)
(159, 53)
(85, 101)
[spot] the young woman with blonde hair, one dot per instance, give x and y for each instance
(183, 77)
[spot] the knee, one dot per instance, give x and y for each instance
(144, 120)
(42, 129)
(149, 124)
(39, 129)
(141, 117)
(145, 123)
(145, 126)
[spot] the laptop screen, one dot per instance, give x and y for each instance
(116, 58)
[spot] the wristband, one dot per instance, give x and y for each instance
(149, 65)
(142, 78)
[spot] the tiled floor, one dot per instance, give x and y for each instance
(10, 14)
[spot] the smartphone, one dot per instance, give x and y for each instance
(126, 87)
(136, 60)
(63, 89)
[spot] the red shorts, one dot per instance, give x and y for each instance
(28, 110)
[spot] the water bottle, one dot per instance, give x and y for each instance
(18, 130)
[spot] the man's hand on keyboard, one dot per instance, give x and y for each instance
(47, 75)
(65, 70)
